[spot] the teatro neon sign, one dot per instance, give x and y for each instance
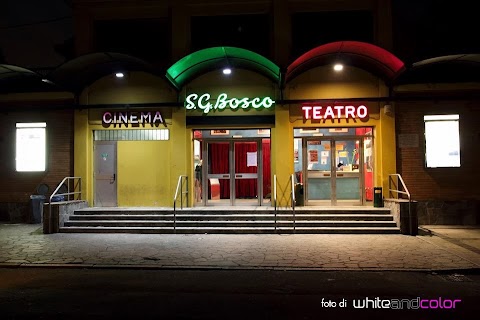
(132, 117)
(334, 112)
(194, 101)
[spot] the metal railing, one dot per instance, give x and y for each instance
(292, 180)
(181, 193)
(394, 187)
(72, 184)
(275, 198)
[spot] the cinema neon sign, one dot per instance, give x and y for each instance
(194, 101)
(132, 117)
(334, 112)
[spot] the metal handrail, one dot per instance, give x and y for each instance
(398, 191)
(275, 198)
(179, 187)
(292, 180)
(67, 181)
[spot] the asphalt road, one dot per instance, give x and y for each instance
(75, 293)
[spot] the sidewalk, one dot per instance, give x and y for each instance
(436, 248)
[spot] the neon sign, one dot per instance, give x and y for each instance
(194, 101)
(132, 117)
(334, 112)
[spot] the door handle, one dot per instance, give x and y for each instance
(226, 176)
(339, 174)
(238, 176)
(326, 174)
(114, 178)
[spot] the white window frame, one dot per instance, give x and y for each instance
(442, 141)
(31, 147)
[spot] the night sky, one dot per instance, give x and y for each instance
(31, 29)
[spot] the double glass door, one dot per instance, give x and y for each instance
(334, 171)
(233, 172)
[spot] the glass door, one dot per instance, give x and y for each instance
(247, 155)
(348, 169)
(317, 161)
(216, 186)
(334, 169)
(233, 171)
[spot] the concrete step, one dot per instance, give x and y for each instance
(358, 220)
(233, 230)
(213, 211)
(232, 217)
(228, 224)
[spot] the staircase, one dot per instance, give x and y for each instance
(232, 220)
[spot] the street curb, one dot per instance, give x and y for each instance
(218, 268)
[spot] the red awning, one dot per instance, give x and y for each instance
(369, 57)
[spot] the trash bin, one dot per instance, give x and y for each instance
(37, 207)
(58, 198)
(299, 196)
(377, 197)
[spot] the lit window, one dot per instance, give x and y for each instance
(30, 147)
(442, 140)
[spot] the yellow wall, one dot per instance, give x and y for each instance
(143, 173)
(324, 83)
(385, 150)
(282, 155)
(135, 87)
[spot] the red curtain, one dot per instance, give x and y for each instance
(218, 158)
(267, 185)
(245, 188)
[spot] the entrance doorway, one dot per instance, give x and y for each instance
(232, 171)
(335, 169)
(105, 174)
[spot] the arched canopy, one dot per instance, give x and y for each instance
(369, 57)
(206, 60)
(76, 74)
(444, 69)
(15, 79)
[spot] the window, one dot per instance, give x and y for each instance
(442, 141)
(31, 147)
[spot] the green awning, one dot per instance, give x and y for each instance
(206, 60)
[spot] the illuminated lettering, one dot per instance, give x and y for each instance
(133, 118)
(194, 101)
(158, 117)
(205, 107)
(145, 117)
(190, 104)
(334, 112)
(122, 118)
(107, 117)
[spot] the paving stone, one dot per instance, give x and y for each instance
(312, 251)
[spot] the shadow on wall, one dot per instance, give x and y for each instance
(436, 212)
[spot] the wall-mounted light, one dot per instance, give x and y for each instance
(119, 75)
(227, 71)
(338, 67)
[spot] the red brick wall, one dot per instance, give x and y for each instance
(446, 184)
(16, 187)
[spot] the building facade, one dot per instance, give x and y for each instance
(326, 115)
